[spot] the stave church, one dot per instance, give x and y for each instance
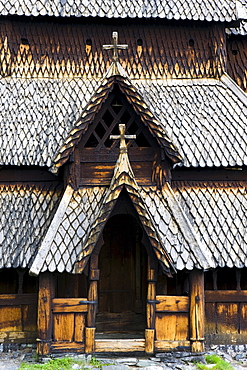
(123, 175)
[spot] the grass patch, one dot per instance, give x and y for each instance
(65, 363)
(95, 363)
(219, 363)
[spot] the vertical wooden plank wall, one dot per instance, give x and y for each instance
(46, 293)
(225, 316)
(197, 310)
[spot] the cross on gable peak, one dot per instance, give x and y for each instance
(115, 46)
(122, 137)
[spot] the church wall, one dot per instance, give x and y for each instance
(236, 60)
(226, 306)
(160, 49)
(18, 307)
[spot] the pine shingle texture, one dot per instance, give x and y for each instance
(205, 119)
(173, 9)
(178, 247)
(218, 215)
(76, 223)
(25, 213)
(36, 115)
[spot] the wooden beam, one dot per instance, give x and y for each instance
(90, 340)
(69, 305)
(151, 309)
(119, 345)
(212, 296)
(46, 293)
(168, 345)
(18, 299)
(149, 341)
(172, 303)
(93, 291)
(197, 310)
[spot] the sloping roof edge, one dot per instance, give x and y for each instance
(232, 85)
(46, 244)
(185, 225)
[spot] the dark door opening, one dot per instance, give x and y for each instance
(123, 280)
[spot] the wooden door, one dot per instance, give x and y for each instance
(123, 276)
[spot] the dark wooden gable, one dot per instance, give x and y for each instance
(97, 153)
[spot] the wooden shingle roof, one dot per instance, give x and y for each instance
(204, 10)
(218, 213)
(25, 213)
(204, 118)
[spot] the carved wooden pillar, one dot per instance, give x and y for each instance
(92, 305)
(197, 310)
(46, 293)
(151, 308)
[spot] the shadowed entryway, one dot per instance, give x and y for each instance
(123, 279)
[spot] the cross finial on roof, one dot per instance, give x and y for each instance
(122, 137)
(115, 47)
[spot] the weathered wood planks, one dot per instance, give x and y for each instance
(197, 310)
(225, 316)
(69, 305)
(119, 345)
(46, 293)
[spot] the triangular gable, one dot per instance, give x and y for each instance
(94, 106)
(178, 248)
(123, 178)
(82, 214)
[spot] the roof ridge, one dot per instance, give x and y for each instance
(231, 84)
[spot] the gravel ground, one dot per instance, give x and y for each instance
(235, 355)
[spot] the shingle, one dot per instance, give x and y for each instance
(37, 118)
(223, 218)
(25, 214)
(209, 131)
(68, 239)
(205, 10)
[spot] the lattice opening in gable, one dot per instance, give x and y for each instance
(117, 110)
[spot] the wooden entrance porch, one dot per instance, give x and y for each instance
(68, 324)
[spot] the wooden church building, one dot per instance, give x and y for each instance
(123, 178)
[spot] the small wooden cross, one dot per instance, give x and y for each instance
(122, 137)
(115, 47)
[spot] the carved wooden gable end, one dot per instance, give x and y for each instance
(92, 155)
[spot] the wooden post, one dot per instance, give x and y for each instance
(90, 340)
(197, 310)
(151, 297)
(149, 341)
(46, 293)
(92, 305)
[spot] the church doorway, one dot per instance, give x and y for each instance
(123, 280)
